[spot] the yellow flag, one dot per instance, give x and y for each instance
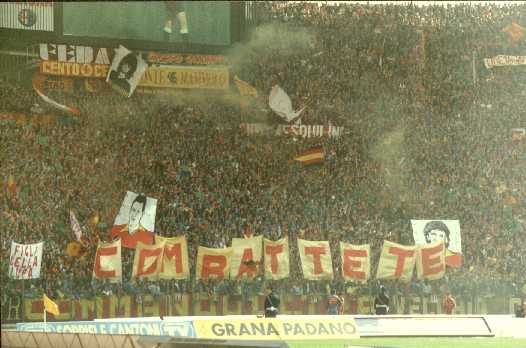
(245, 88)
(50, 306)
(515, 32)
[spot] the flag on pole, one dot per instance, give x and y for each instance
(126, 71)
(75, 226)
(50, 306)
(11, 185)
(281, 104)
(245, 88)
(312, 156)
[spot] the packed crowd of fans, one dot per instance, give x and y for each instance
(428, 136)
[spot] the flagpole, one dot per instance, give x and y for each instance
(23, 301)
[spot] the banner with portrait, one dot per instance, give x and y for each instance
(448, 231)
(135, 221)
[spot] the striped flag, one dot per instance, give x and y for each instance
(312, 156)
(50, 306)
(245, 88)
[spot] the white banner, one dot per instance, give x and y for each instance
(280, 102)
(301, 130)
(448, 231)
(27, 15)
(431, 231)
(502, 60)
(126, 70)
(136, 220)
(25, 260)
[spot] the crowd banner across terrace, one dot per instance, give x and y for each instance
(356, 261)
(503, 60)
(175, 258)
(25, 260)
(246, 254)
(76, 61)
(277, 265)
(186, 77)
(281, 328)
(316, 261)
(303, 130)
(166, 259)
(213, 263)
(125, 327)
(396, 262)
(185, 59)
(108, 263)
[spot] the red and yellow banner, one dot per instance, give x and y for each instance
(48, 67)
(396, 261)
(175, 258)
(431, 262)
(186, 77)
(108, 264)
(213, 263)
(316, 260)
(356, 261)
(246, 257)
(276, 258)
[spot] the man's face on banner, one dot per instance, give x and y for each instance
(437, 236)
(136, 211)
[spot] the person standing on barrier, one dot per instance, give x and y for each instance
(334, 303)
(271, 304)
(381, 302)
(449, 303)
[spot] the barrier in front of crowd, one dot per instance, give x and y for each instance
(284, 327)
(194, 305)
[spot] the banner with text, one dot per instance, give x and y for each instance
(175, 258)
(277, 329)
(302, 130)
(396, 261)
(276, 262)
(213, 263)
(186, 77)
(503, 60)
(316, 260)
(25, 260)
(246, 257)
(108, 263)
(356, 261)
